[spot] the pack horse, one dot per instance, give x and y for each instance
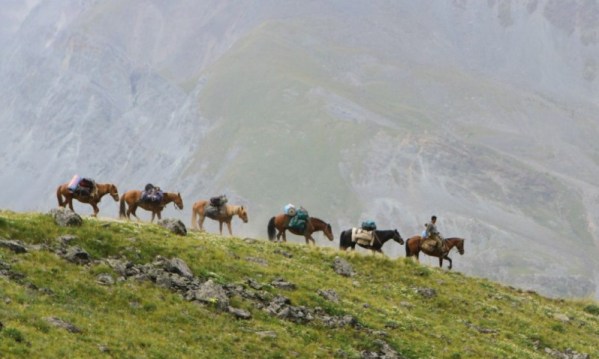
(217, 209)
(131, 200)
(85, 190)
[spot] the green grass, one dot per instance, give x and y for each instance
(139, 319)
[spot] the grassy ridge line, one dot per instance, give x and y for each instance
(468, 317)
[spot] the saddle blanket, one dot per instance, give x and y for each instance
(429, 244)
(362, 236)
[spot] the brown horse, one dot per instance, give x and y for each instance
(132, 199)
(65, 197)
(280, 223)
(413, 248)
(225, 216)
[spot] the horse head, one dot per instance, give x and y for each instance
(243, 214)
(328, 232)
(397, 237)
(114, 192)
(178, 201)
(460, 246)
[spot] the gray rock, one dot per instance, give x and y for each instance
(57, 322)
(329, 295)
(566, 354)
(178, 266)
(66, 239)
(105, 279)
(210, 293)
(266, 334)
(282, 284)
(77, 255)
(119, 266)
(64, 217)
(260, 261)
(254, 283)
(426, 292)
(173, 225)
(342, 267)
(240, 313)
(15, 246)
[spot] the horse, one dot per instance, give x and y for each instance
(281, 221)
(225, 216)
(413, 248)
(380, 237)
(65, 197)
(132, 200)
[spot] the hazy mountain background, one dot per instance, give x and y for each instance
(484, 113)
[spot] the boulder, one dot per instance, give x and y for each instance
(64, 217)
(173, 225)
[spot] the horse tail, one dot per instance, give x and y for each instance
(122, 213)
(61, 203)
(408, 252)
(194, 218)
(271, 229)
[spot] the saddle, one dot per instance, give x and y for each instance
(430, 245)
(84, 187)
(152, 194)
(362, 236)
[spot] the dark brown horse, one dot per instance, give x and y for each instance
(380, 237)
(280, 223)
(225, 216)
(65, 197)
(414, 246)
(132, 200)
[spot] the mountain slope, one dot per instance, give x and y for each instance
(482, 113)
(132, 297)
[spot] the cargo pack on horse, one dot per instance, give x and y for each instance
(379, 237)
(414, 246)
(280, 223)
(130, 200)
(65, 196)
(223, 215)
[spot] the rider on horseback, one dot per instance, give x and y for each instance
(432, 233)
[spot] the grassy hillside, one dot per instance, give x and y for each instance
(388, 307)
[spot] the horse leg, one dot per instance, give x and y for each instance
(220, 227)
(132, 210)
(229, 227)
(70, 203)
(201, 222)
(449, 259)
(441, 261)
(96, 209)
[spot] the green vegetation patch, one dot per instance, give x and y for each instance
(390, 305)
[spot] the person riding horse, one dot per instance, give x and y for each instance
(432, 233)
